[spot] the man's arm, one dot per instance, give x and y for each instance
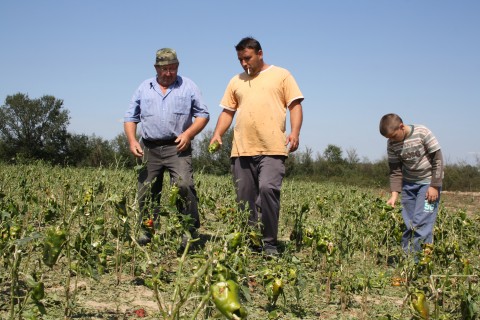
(130, 129)
(224, 121)
(296, 120)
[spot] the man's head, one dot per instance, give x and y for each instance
(250, 55)
(392, 127)
(166, 65)
(165, 57)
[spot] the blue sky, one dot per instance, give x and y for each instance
(353, 60)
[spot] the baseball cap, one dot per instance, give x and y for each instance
(166, 56)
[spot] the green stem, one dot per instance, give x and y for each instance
(14, 276)
(191, 283)
(204, 300)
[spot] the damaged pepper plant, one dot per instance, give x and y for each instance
(69, 250)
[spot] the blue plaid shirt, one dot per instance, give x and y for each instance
(165, 117)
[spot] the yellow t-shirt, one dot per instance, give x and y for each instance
(260, 103)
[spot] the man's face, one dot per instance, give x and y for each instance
(250, 61)
(167, 74)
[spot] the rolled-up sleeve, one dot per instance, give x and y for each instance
(199, 108)
(133, 112)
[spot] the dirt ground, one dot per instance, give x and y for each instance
(468, 201)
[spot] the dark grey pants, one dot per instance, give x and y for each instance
(159, 159)
(258, 181)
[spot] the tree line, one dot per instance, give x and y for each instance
(36, 129)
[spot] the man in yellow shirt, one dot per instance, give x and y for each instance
(260, 97)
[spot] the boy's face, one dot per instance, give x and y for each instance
(398, 134)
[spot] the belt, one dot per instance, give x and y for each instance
(169, 142)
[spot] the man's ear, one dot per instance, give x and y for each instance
(260, 54)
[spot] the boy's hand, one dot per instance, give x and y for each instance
(432, 194)
(393, 199)
(391, 202)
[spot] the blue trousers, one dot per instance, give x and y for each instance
(419, 216)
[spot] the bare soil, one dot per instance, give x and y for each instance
(468, 201)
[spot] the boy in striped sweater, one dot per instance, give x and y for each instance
(416, 171)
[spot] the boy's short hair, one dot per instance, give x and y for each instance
(389, 123)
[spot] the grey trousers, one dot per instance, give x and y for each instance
(258, 181)
(179, 166)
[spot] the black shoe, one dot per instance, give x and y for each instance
(185, 238)
(256, 249)
(271, 252)
(144, 239)
(184, 243)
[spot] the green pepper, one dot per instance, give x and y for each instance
(38, 291)
(221, 273)
(292, 274)
(419, 303)
(52, 246)
(214, 147)
(174, 195)
(308, 235)
(37, 287)
(274, 289)
(234, 241)
(322, 245)
(267, 275)
(255, 238)
(14, 231)
(226, 299)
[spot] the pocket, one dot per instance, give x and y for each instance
(182, 106)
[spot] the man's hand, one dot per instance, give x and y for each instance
(293, 142)
(183, 141)
(216, 138)
(136, 149)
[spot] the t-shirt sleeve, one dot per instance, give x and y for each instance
(229, 101)
(291, 90)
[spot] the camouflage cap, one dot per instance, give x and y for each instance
(166, 56)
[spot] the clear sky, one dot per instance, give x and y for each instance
(353, 60)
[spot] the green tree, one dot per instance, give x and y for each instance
(33, 128)
(90, 151)
(101, 152)
(352, 156)
(78, 150)
(333, 154)
(122, 151)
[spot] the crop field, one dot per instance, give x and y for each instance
(68, 251)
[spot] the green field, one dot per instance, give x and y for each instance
(67, 252)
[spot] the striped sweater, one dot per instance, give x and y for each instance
(413, 156)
